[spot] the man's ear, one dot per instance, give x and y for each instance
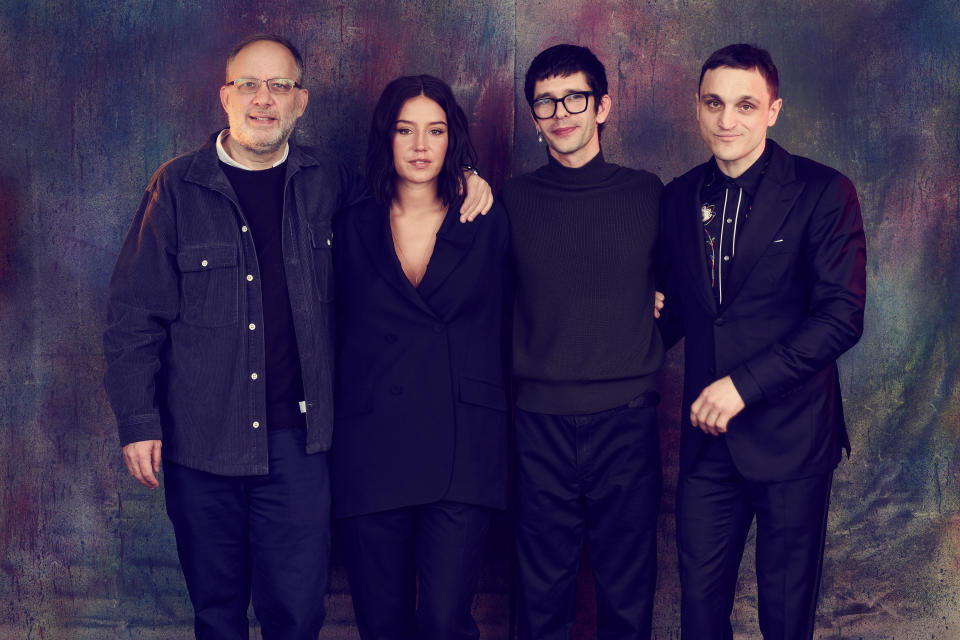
(303, 96)
(536, 123)
(225, 98)
(603, 108)
(774, 111)
(696, 105)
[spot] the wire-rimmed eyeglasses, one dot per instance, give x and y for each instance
(274, 85)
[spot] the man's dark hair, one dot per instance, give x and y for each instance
(269, 37)
(565, 60)
(380, 168)
(747, 57)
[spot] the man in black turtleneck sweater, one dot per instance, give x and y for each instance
(585, 353)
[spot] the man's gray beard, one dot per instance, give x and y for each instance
(261, 149)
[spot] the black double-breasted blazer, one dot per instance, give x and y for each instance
(420, 410)
(794, 300)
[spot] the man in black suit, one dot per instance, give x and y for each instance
(763, 265)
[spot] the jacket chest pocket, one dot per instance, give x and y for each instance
(321, 240)
(209, 285)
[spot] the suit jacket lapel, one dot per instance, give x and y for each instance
(776, 194)
(454, 240)
(691, 228)
(374, 228)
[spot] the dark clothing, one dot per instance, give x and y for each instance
(421, 402)
(715, 507)
(796, 295)
(267, 533)
(725, 212)
(595, 475)
(584, 335)
(585, 345)
(413, 571)
(420, 445)
(793, 302)
(260, 195)
(183, 364)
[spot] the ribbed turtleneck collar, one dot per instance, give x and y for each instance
(592, 173)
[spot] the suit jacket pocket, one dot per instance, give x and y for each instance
(484, 394)
(209, 285)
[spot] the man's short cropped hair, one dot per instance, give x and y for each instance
(565, 60)
(747, 57)
(269, 37)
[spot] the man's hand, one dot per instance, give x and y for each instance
(657, 303)
(716, 406)
(143, 461)
(478, 200)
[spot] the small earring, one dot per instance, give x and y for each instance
(539, 137)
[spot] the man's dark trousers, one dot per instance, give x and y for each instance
(269, 534)
(715, 507)
(596, 474)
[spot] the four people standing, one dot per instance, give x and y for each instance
(220, 347)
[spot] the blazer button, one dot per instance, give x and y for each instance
(396, 389)
(391, 338)
(719, 322)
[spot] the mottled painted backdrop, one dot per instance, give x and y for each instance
(96, 95)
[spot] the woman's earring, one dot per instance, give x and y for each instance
(539, 136)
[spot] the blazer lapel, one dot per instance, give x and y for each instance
(691, 228)
(776, 194)
(454, 240)
(374, 228)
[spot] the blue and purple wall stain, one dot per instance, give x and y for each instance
(98, 96)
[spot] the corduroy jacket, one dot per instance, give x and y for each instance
(184, 349)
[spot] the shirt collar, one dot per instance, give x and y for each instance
(749, 180)
(227, 160)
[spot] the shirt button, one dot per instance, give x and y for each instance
(729, 220)
(253, 376)
(243, 228)
(328, 242)
(726, 258)
(203, 263)
(249, 278)
(256, 424)
(252, 326)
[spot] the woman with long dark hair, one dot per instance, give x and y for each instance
(420, 442)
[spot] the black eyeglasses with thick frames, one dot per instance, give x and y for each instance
(278, 86)
(546, 107)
